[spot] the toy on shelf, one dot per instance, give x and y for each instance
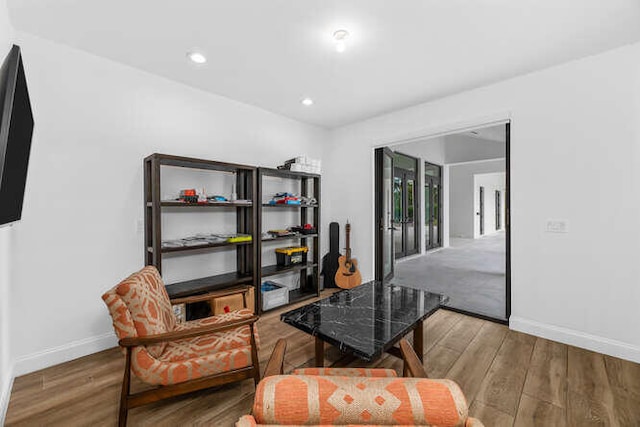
(292, 199)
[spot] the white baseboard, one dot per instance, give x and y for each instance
(5, 394)
(64, 353)
(577, 338)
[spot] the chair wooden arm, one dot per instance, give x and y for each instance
(275, 366)
(187, 333)
(212, 295)
(412, 364)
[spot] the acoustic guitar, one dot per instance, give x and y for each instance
(348, 276)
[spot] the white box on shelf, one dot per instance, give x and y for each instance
(273, 295)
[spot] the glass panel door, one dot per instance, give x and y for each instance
(405, 206)
(428, 209)
(384, 206)
(398, 212)
(432, 206)
(410, 228)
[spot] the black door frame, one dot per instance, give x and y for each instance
(507, 219)
(481, 210)
(498, 209)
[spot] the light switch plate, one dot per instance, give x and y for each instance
(557, 226)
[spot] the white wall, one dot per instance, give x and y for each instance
(490, 182)
(462, 197)
(95, 122)
(6, 39)
(567, 122)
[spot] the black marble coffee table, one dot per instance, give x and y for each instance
(368, 320)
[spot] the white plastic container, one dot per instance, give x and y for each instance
(274, 295)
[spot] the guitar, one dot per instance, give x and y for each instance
(348, 276)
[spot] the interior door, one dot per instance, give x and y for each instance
(384, 210)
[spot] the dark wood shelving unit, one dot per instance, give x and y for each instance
(246, 223)
(248, 268)
(309, 271)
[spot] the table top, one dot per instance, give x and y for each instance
(368, 319)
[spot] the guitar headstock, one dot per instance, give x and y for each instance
(347, 227)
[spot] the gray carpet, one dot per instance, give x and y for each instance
(471, 272)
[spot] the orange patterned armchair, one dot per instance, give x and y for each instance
(177, 357)
(350, 397)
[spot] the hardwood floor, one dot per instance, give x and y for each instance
(509, 378)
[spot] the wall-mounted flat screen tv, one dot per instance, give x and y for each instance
(16, 129)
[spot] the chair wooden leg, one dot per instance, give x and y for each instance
(124, 395)
(275, 365)
(254, 357)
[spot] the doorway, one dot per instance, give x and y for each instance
(405, 206)
(473, 270)
(432, 206)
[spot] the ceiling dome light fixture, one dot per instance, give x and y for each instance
(196, 57)
(307, 102)
(340, 37)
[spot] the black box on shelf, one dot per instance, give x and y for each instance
(291, 255)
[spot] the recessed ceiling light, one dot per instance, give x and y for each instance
(196, 57)
(340, 37)
(307, 102)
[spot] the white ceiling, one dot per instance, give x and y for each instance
(487, 144)
(273, 53)
(491, 133)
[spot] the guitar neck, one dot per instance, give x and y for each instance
(348, 248)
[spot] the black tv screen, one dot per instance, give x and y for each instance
(16, 129)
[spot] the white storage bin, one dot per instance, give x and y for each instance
(273, 295)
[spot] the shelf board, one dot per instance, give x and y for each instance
(269, 205)
(296, 295)
(193, 248)
(284, 173)
(272, 270)
(192, 163)
(296, 236)
(174, 204)
(206, 284)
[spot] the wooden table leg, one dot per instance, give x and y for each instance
(418, 340)
(319, 353)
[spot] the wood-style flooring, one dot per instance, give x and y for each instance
(509, 379)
